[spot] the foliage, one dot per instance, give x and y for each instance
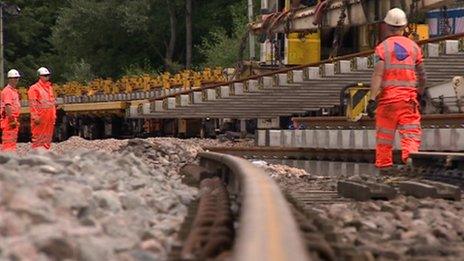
(221, 48)
(82, 39)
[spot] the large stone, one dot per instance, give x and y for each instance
(94, 249)
(107, 200)
(131, 201)
(25, 202)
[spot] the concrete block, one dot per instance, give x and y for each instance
(459, 139)
(349, 189)
(344, 66)
(275, 138)
(298, 76)
(451, 46)
(159, 105)
(268, 81)
(433, 50)
(282, 79)
(171, 103)
(333, 142)
(146, 108)
(344, 136)
(308, 138)
(361, 63)
(363, 191)
(184, 100)
(253, 86)
(369, 139)
(321, 138)
(298, 138)
(426, 139)
(454, 140)
(224, 91)
(313, 73)
(262, 138)
(442, 139)
(445, 191)
(197, 97)
(287, 138)
(238, 88)
(358, 136)
(210, 94)
(417, 189)
(328, 69)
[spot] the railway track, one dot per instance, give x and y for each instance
(242, 215)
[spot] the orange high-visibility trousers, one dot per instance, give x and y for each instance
(42, 133)
(403, 116)
(9, 135)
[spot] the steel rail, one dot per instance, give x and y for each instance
(299, 67)
(456, 119)
(267, 229)
(345, 155)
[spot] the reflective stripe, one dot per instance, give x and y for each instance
(409, 127)
(396, 83)
(384, 141)
(400, 66)
(410, 135)
(385, 131)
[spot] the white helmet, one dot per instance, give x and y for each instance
(396, 17)
(43, 71)
(13, 74)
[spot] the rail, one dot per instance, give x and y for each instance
(436, 120)
(267, 230)
(286, 70)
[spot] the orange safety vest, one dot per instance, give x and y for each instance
(401, 55)
(10, 96)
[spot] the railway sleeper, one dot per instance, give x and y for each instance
(363, 191)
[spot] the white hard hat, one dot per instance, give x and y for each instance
(396, 17)
(43, 71)
(13, 74)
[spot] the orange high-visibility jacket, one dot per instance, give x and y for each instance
(401, 55)
(10, 96)
(42, 100)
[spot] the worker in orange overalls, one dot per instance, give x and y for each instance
(10, 109)
(43, 110)
(397, 81)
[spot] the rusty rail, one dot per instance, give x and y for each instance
(286, 70)
(267, 229)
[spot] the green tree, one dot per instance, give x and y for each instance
(222, 48)
(27, 39)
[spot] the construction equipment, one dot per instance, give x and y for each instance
(326, 14)
(331, 19)
(442, 98)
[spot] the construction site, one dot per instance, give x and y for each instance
(274, 158)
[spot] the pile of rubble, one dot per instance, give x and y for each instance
(120, 200)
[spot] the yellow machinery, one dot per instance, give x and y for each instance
(354, 99)
(303, 49)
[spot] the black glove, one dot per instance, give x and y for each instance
(371, 107)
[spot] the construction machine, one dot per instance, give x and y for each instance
(321, 27)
